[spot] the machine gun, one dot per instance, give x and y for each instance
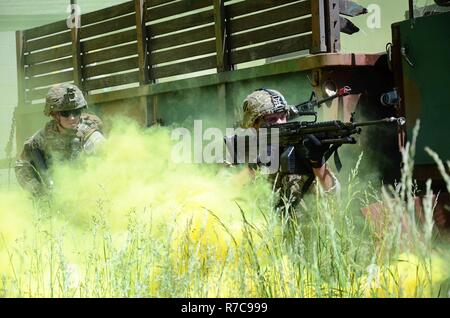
(296, 139)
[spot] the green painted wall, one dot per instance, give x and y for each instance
(426, 85)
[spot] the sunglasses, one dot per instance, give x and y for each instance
(72, 112)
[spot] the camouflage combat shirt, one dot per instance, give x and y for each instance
(54, 147)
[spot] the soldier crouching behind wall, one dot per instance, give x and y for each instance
(69, 133)
(265, 107)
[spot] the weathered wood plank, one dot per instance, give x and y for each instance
(111, 67)
(294, 10)
(108, 40)
(43, 68)
(191, 66)
(222, 57)
(76, 57)
(107, 26)
(271, 49)
(240, 8)
(271, 32)
(107, 13)
(333, 26)
(49, 79)
(154, 3)
(141, 36)
(318, 27)
(143, 59)
(183, 52)
(49, 41)
(181, 23)
(202, 33)
(48, 55)
(46, 29)
(110, 54)
(175, 8)
(20, 47)
(113, 80)
(39, 93)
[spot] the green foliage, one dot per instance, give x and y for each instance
(327, 249)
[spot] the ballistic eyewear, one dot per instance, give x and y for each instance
(73, 112)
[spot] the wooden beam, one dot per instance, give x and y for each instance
(198, 34)
(141, 36)
(154, 3)
(107, 13)
(49, 41)
(107, 26)
(261, 19)
(50, 79)
(184, 22)
(48, 67)
(108, 40)
(186, 67)
(47, 29)
(319, 44)
(110, 53)
(332, 26)
(250, 6)
(20, 51)
(285, 46)
(175, 8)
(113, 80)
(38, 93)
(47, 55)
(140, 8)
(76, 58)
(222, 56)
(183, 52)
(271, 32)
(111, 67)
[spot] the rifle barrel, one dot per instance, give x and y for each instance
(399, 120)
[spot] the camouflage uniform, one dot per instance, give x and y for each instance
(290, 187)
(54, 146)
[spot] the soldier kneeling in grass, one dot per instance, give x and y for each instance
(69, 133)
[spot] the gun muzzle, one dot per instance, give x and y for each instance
(400, 120)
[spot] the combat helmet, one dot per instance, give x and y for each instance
(63, 97)
(260, 103)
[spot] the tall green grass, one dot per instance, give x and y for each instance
(327, 249)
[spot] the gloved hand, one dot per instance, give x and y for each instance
(315, 152)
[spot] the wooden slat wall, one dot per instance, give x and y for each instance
(182, 49)
(178, 37)
(106, 36)
(283, 27)
(47, 59)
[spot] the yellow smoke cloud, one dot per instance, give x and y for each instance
(409, 276)
(132, 175)
(129, 221)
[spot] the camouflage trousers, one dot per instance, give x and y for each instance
(290, 189)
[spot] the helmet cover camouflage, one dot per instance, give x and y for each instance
(63, 97)
(260, 103)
